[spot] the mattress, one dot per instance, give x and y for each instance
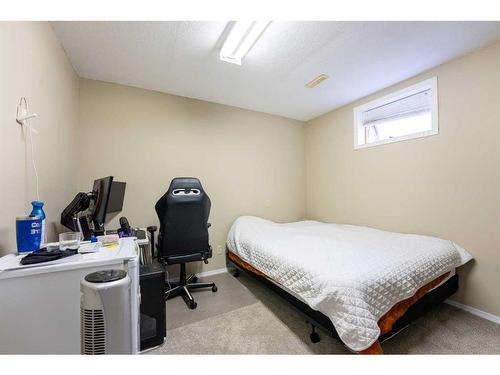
(352, 274)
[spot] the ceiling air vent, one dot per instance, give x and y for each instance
(316, 81)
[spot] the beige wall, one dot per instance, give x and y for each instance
(447, 185)
(248, 162)
(34, 65)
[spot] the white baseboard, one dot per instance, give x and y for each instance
(175, 278)
(474, 311)
(212, 272)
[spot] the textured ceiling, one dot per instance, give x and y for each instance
(181, 58)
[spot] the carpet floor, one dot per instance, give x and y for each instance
(245, 317)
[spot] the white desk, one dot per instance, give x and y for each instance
(40, 305)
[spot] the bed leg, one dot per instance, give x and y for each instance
(314, 336)
(236, 272)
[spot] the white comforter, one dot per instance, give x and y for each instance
(352, 274)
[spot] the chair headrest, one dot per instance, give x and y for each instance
(185, 183)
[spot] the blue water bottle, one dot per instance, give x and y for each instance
(38, 211)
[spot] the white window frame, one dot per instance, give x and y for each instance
(430, 83)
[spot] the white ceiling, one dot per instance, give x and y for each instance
(181, 58)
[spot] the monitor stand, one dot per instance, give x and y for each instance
(84, 227)
(87, 232)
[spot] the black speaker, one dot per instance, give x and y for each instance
(153, 324)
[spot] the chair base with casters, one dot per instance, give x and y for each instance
(184, 287)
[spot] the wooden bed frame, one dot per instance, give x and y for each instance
(398, 318)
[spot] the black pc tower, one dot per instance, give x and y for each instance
(153, 324)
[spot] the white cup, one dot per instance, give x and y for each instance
(69, 240)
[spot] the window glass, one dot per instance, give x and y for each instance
(405, 114)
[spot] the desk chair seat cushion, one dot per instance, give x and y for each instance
(178, 259)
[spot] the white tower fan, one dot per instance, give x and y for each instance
(106, 323)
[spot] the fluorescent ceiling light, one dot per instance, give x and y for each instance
(241, 38)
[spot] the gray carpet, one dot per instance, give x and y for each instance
(245, 317)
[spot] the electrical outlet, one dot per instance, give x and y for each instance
(219, 249)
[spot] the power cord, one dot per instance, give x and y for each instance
(168, 283)
(22, 118)
(34, 164)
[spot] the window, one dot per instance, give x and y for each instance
(406, 114)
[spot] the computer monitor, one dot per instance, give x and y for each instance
(101, 193)
(116, 197)
(106, 197)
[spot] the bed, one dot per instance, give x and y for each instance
(358, 283)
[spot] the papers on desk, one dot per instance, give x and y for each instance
(145, 256)
(91, 247)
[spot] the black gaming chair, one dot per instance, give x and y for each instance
(183, 213)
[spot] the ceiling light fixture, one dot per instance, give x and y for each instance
(316, 81)
(241, 38)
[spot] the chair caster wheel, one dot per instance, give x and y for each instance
(214, 288)
(314, 337)
(193, 305)
(194, 279)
